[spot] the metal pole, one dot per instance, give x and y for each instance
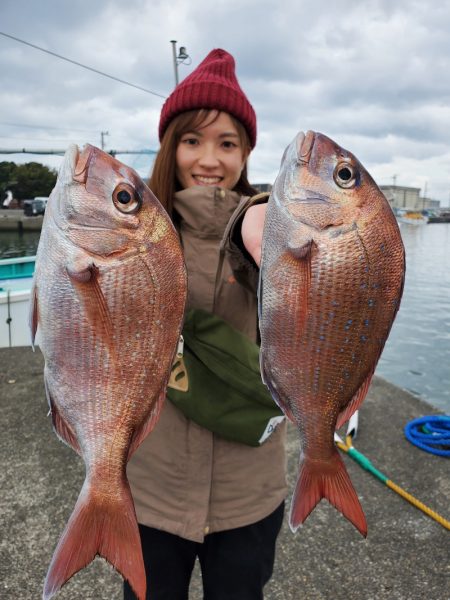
(103, 133)
(175, 65)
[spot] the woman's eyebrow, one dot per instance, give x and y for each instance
(225, 134)
(229, 134)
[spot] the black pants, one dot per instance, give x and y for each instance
(235, 564)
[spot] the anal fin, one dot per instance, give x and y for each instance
(62, 429)
(148, 425)
(355, 402)
(33, 320)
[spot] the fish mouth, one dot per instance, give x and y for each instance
(82, 164)
(67, 168)
(75, 164)
(304, 144)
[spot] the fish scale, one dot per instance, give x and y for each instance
(331, 280)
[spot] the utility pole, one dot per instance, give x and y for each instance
(181, 58)
(394, 195)
(102, 134)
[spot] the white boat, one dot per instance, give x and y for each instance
(16, 276)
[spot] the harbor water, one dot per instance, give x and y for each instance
(417, 354)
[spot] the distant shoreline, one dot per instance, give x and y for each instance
(15, 220)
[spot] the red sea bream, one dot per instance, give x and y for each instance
(331, 281)
(109, 295)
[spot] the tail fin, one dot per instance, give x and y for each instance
(103, 526)
(333, 483)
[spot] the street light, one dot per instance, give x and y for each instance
(182, 57)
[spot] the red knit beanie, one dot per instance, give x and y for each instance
(213, 84)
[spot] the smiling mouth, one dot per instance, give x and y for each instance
(205, 180)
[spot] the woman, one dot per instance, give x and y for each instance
(196, 493)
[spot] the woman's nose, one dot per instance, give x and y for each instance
(208, 157)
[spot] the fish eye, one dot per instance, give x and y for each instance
(126, 199)
(345, 175)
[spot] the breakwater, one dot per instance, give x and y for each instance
(15, 220)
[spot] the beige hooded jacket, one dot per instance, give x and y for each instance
(185, 479)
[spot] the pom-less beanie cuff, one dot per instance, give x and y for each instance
(213, 84)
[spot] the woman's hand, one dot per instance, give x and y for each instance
(252, 230)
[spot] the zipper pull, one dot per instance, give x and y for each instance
(180, 347)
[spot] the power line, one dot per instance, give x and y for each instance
(46, 127)
(74, 62)
(43, 127)
(61, 152)
(51, 140)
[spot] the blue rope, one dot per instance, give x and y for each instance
(431, 434)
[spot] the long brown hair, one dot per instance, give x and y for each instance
(163, 181)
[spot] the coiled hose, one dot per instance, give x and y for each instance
(431, 434)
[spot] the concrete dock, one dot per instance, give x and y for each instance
(406, 555)
(14, 220)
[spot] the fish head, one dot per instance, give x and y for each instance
(322, 184)
(103, 206)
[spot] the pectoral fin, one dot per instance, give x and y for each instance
(300, 244)
(301, 248)
(86, 280)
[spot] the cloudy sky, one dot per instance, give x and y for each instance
(372, 74)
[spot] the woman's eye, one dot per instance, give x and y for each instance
(190, 141)
(229, 145)
(126, 199)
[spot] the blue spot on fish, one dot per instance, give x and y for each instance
(371, 302)
(363, 338)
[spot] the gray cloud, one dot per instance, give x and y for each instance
(373, 75)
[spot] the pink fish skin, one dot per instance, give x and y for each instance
(109, 296)
(331, 280)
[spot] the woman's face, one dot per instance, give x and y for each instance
(211, 155)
